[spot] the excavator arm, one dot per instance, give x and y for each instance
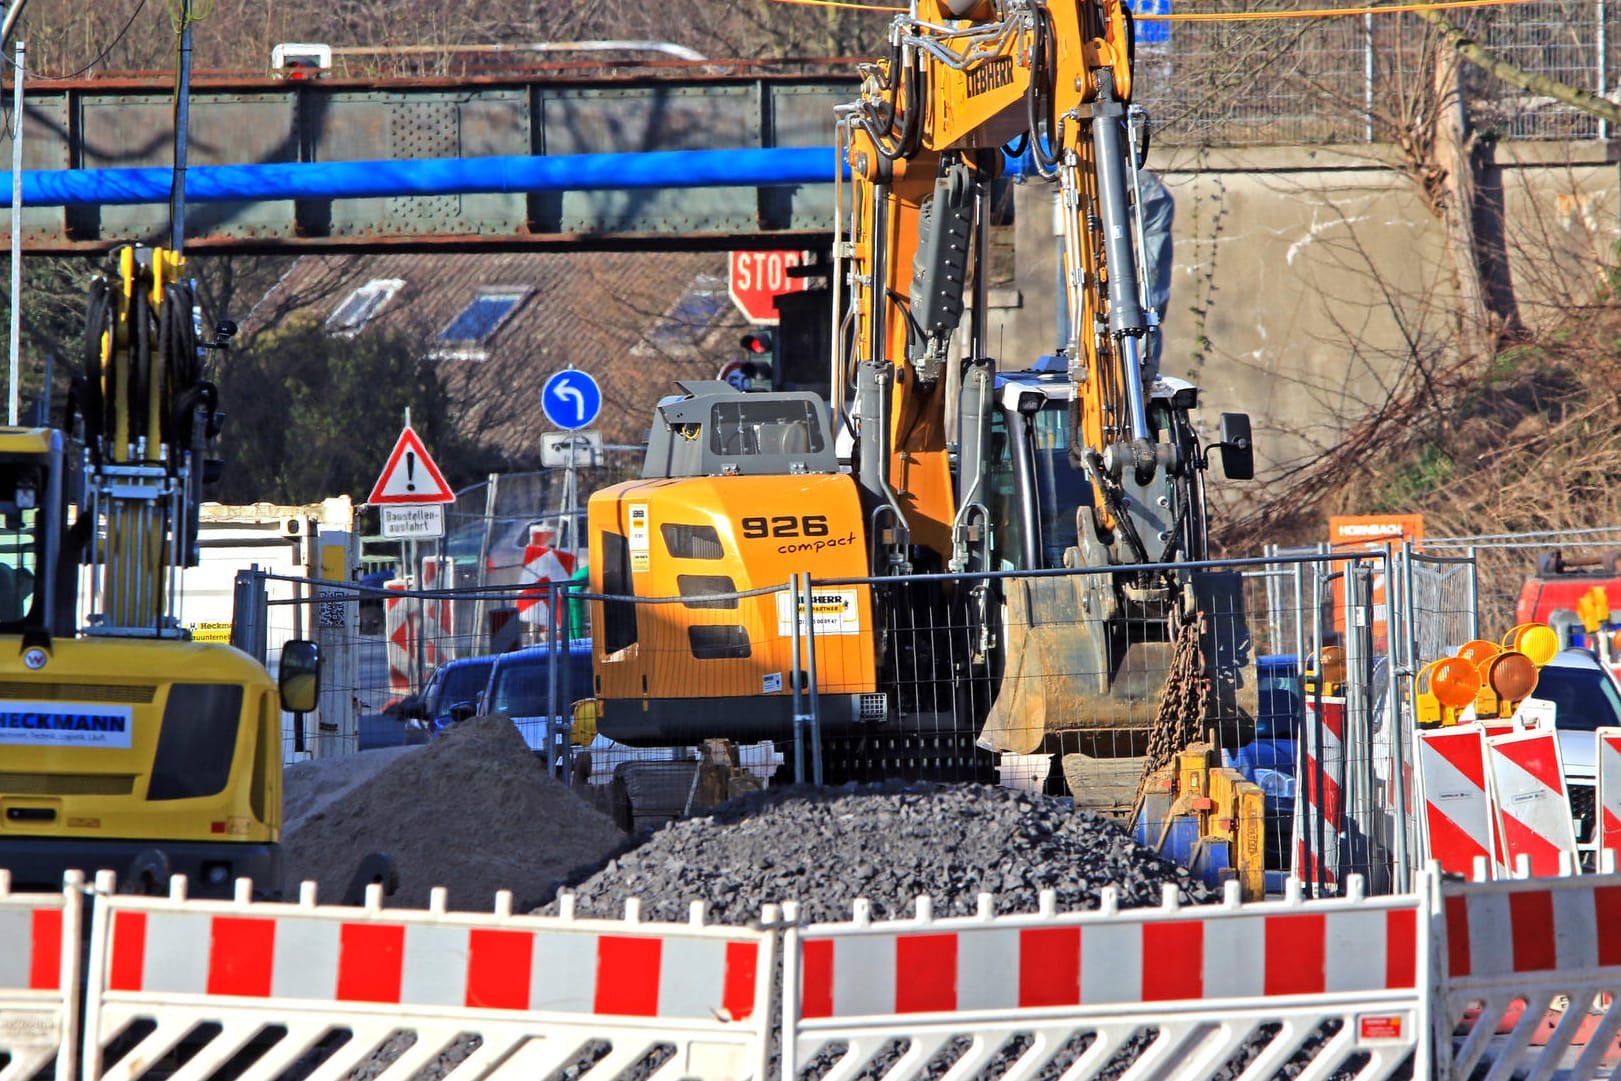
(962, 82)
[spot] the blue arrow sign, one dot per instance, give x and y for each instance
(571, 399)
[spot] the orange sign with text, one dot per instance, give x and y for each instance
(1352, 531)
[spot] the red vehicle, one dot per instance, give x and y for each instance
(1555, 595)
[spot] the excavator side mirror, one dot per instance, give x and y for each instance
(1237, 451)
(299, 678)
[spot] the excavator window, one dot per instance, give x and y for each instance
(20, 540)
(1061, 488)
(764, 427)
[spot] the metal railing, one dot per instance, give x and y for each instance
(919, 708)
(1330, 79)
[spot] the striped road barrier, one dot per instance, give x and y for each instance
(1458, 810)
(1173, 993)
(39, 980)
(509, 996)
(1533, 806)
(1320, 805)
(1608, 796)
(1528, 974)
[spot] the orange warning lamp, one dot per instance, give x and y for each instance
(1538, 641)
(1478, 651)
(1443, 688)
(1594, 609)
(1507, 679)
(1330, 664)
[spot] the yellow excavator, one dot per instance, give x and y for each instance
(932, 474)
(123, 744)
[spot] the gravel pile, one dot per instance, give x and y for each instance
(474, 811)
(888, 843)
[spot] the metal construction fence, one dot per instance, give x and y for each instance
(929, 686)
(1341, 79)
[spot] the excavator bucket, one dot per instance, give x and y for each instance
(1067, 670)
(1097, 678)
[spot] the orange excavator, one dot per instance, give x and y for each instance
(933, 472)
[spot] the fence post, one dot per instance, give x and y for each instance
(794, 680)
(815, 711)
(1360, 780)
(249, 611)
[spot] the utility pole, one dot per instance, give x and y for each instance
(14, 392)
(182, 115)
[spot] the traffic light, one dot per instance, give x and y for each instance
(758, 342)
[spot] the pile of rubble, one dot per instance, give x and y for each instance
(888, 844)
(474, 811)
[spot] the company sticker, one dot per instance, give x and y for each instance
(834, 612)
(59, 724)
(637, 541)
(771, 683)
(1380, 1027)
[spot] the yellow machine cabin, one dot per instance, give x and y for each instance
(739, 493)
(123, 744)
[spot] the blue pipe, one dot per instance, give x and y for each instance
(436, 176)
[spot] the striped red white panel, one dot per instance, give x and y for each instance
(1457, 801)
(1320, 786)
(433, 965)
(31, 945)
(439, 618)
(1504, 928)
(1216, 955)
(1533, 810)
(1609, 789)
(398, 623)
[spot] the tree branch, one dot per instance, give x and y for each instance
(1499, 68)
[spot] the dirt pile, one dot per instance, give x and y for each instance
(887, 843)
(474, 812)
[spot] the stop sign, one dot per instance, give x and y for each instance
(759, 277)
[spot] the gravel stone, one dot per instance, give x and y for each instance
(887, 843)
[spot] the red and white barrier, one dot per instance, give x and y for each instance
(1458, 809)
(1528, 972)
(1320, 804)
(1533, 808)
(1607, 799)
(1206, 978)
(399, 632)
(533, 989)
(438, 613)
(542, 565)
(39, 980)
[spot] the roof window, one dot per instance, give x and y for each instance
(688, 321)
(487, 311)
(348, 318)
(464, 337)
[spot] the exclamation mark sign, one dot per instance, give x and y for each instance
(410, 471)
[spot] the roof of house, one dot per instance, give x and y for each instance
(499, 324)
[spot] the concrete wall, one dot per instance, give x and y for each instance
(1307, 279)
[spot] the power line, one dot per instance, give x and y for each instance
(140, 4)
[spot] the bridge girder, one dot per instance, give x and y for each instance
(129, 123)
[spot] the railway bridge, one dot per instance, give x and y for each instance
(128, 124)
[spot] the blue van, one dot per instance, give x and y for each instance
(451, 694)
(520, 686)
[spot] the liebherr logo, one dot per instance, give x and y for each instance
(990, 75)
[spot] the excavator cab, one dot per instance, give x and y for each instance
(32, 507)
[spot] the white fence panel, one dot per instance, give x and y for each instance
(1530, 971)
(39, 979)
(1171, 993)
(252, 988)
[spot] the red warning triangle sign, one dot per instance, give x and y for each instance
(411, 475)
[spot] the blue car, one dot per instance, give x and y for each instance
(452, 694)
